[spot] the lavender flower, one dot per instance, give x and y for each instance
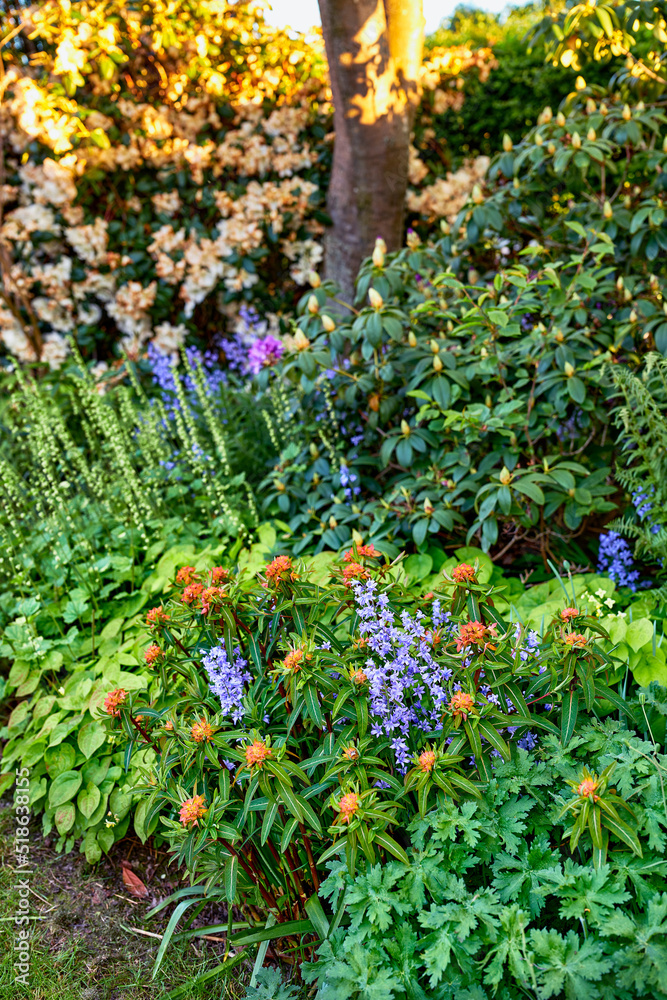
(226, 679)
(615, 559)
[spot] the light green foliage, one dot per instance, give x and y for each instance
(92, 524)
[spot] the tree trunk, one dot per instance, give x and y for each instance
(374, 50)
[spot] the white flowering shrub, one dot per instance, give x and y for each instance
(164, 167)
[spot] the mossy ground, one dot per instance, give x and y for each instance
(90, 939)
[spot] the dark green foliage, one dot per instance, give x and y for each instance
(643, 468)
(492, 903)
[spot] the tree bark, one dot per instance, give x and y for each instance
(374, 50)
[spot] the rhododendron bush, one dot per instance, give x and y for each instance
(165, 165)
(305, 712)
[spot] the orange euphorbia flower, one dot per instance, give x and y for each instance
(192, 810)
(463, 573)
(257, 752)
(201, 731)
(114, 700)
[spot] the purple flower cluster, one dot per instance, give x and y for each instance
(164, 366)
(347, 481)
(227, 679)
(252, 347)
(643, 502)
(407, 687)
(615, 559)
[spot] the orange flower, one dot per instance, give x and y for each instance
(568, 613)
(427, 760)
(186, 575)
(358, 677)
(279, 569)
(363, 552)
(463, 573)
(191, 592)
(211, 596)
(201, 731)
(293, 660)
(461, 704)
(351, 753)
(157, 617)
(574, 639)
(475, 634)
(169, 725)
(257, 752)
(219, 574)
(192, 810)
(587, 788)
(114, 700)
(348, 805)
(152, 654)
(355, 571)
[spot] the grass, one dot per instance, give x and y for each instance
(90, 939)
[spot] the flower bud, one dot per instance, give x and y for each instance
(591, 135)
(580, 83)
(375, 299)
(314, 450)
(607, 210)
(505, 476)
(633, 316)
(551, 149)
(538, 139)
(568, 369)
(328, 323)
(437, 363)
(603, 109)
(627, 295)
(412, 340)
(558, 334)
(619, 283)
(488, 402)
(664, 145)
(576, 140)
(333, 523)
(508, 145)
(314, 279)
(627, 113)
(590, 106)
(545, 116)
(374, 402)
(444, 227)
(379, 252)
(516, 184)
(560, 119)
(640, 107)
(428, 506)
(301, 341)
(477, 195)
(313, 305)
(405, 428)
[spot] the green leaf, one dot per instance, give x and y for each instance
(64, 787)
(639, 633)
(569, 714)
(91, 737)
(64, 817)
(88, 799)
(59, 759)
